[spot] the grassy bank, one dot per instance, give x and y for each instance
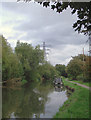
(77, 105)
(84, 83)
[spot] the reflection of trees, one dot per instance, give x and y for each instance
(59, 88)
(29, 105)
(24, 102)
(10, 101)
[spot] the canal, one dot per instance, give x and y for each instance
(33, 101)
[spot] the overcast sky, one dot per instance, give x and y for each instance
(34, 24)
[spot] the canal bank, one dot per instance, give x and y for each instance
(77, 105)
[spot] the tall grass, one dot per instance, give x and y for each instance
(77, 105)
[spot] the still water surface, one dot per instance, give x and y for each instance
(36, 101)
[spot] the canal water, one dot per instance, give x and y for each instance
(35, 101)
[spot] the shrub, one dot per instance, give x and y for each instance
(24, 81)
(80, 77)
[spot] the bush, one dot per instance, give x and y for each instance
(83, 78)
(24, 82)
(70, 77)
(80, 77)
(47, 72)
(74, 68)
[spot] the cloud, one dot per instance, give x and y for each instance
(65, 53)
(32, 23)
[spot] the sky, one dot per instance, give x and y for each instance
(34, 24)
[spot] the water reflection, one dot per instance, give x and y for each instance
(32, 102)
(59, 88)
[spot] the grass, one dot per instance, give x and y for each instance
(84, 83)
(77, 105)
(81, 82)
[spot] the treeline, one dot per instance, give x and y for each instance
(28, 64)
(79, 68)
(25, 62)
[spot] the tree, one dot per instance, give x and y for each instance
(26, 63)
(87, 69)
(74, 68)
(61, 69)
(11, 68)
(79, 68)
(47, 72)
(29, 58)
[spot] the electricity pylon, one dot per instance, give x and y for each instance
(45, 51)
(90, 44)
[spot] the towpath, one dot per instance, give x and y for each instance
(80, 84)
